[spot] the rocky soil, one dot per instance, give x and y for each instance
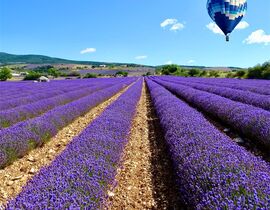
(145, 179)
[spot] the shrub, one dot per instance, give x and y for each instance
(5, 73)
(121, 73)
(32, 76)
(73, 74)
(214, 74)
(43, 69)
(53, 72)
(230, 75)
(203, 73)
(90, 75)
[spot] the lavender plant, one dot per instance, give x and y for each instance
(80, 176)
(213, 172)
(17, 140)
(246, 97)
(11, 116)
(17, 94)
(251, 121)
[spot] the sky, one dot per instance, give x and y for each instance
(151, 32)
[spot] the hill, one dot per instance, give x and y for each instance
(6, 58)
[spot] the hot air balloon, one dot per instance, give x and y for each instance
(227, 13)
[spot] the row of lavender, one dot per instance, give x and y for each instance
(80, 177)
(7, 87)
(13, 87)
(247, 97)
(14, 90)
(37, 94)
(20, 113)
(247, 82)
(256, 87)
(17, 140)
(11, 101)
(38, 89)
(246, 119)
(213, 172)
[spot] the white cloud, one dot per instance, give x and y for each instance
(169, 62)
(191, 61)
(167, 22)
(173, 23)
(215, 29)
(88, 50)
(177, 26)
(242, 25)
(141, 57)
(258, 37)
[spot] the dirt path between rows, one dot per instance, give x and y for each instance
(15, 176)
(146, 178)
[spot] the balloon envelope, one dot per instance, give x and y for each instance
(227, 13)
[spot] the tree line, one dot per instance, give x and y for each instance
(6, 73)
(260, 71)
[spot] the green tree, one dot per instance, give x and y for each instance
(171, 68)
(259, 71)
(240, 74)
(53, 72)
(266, 70)
(194, 72)
(255, 72)
(266, 66)
(5, 73)
(266, 74)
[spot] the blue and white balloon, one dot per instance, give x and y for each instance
(227, 13)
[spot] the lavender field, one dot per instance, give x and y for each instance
(157, 142)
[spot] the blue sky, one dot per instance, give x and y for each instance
(131, 31)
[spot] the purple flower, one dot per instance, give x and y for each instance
(212, 171)
(17, 140)
(80, 176)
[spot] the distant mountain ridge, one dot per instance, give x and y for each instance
(6, 58)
